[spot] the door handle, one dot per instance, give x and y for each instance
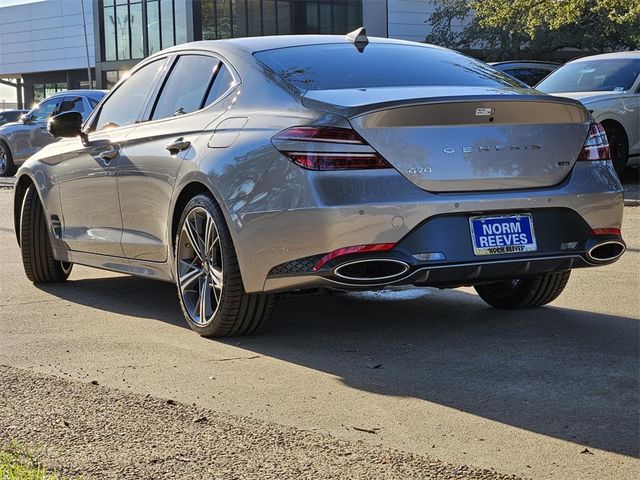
(108, 155)
(178, 146)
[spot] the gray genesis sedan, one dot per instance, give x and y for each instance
(242, 168)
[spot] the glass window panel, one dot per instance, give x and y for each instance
(220, 85)
(38, 92)
(181, 21)
(135, 15)
(339, 18)
(121, 2)
(325, 18)
(124, 106)
(240, 18)
(72, 104)
(223, 19)
(153, 27)
(269, 17)
(166, 21)
(110, 79)
(44, 110)
(208, 20)
(354, 16)
(186, 86)
(284, 18)
(337, 66)
(255, 18)
(109, 34)
(108, 3)
(313, 25)
(122, 32)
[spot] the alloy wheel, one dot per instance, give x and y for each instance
(200, 266)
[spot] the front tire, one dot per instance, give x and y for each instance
(35, 244)
(210, 287)
(527, 292)
(7, 168)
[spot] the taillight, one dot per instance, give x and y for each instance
(596, 147)
(317, 159)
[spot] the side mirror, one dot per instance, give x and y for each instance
(67, 124)
(25, 119)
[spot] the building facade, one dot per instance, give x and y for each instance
(42, 44)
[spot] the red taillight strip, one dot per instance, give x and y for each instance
(373, 247)
(606, 231)
(596, 146)
(340, 158)
(337, 161)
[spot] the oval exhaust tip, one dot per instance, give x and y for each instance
(607, 251)
(371, 269)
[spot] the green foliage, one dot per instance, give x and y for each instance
(509, 28)
(17, 463)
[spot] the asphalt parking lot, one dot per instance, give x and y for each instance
(547, 393)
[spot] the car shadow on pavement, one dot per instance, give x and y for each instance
(565, 373)
(134, 296)
(570, 374)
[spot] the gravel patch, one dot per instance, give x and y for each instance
(85, 429)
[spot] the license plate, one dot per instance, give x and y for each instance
(503, 234)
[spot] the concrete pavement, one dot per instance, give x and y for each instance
(431, 372)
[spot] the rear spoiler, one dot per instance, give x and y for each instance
(352, 102)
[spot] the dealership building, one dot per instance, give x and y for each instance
(42, 42)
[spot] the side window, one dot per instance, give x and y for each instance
(220, 85)
(124, 105)
(72, 104)
(43, 111)
(92, 103)
(530, 76)
(184, 90)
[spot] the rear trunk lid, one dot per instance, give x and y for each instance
(462, 139)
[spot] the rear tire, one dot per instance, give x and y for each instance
(35, 244)
(528, 292)
(211, 271)
(7, 168)
(618, 148)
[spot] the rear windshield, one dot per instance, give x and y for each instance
(339, 66)
(592, 76)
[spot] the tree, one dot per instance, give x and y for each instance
(536, 28)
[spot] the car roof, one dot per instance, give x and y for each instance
(257, 44)
(95, 94)
(633, 54)
(524, 62)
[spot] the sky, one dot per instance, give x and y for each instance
(7, 93)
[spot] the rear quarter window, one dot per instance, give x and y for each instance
(341, 66)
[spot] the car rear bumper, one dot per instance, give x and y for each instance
(278, 248)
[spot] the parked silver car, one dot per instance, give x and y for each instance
(245, 167)
(609, 86)
(21, 139)
(528, 71)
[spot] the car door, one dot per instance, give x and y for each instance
(31, 135)
(157, 147)
(88, 175)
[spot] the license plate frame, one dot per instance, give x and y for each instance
(518, 224)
